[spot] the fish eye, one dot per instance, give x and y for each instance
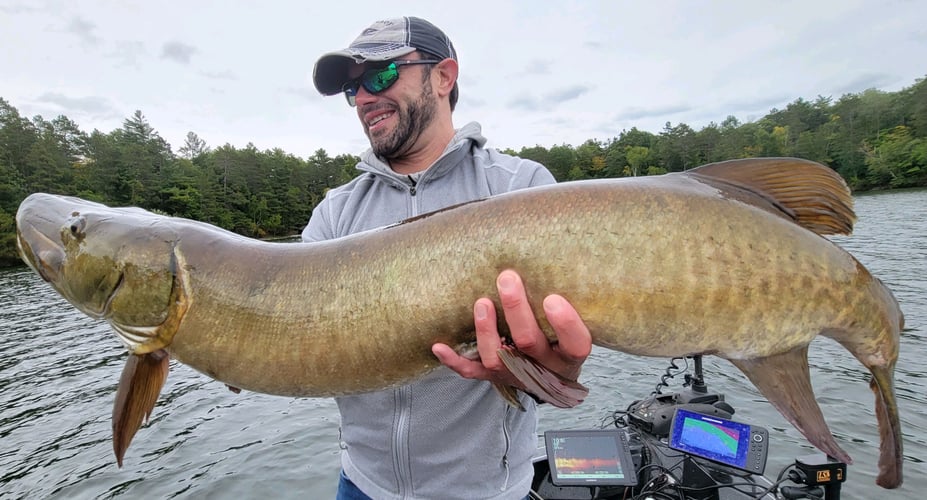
(76, 225)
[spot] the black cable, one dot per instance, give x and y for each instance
(618, 419)
(655, 487)
(670, 374)
(651, 465)
(796, 476)
(737, 486)
(653, 494)
(658, 494)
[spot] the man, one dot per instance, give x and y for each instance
(449, 435)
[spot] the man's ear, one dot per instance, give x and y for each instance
(446, 72)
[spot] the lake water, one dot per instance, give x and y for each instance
(59, 370)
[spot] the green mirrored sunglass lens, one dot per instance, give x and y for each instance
(380, 79)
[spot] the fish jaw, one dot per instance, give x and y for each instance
(40, 253)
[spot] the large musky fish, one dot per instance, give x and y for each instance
(727, 259)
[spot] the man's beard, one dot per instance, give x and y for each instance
(413, 120)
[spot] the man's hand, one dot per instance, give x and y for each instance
(565, 358)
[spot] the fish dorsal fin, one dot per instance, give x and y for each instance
(808, 193)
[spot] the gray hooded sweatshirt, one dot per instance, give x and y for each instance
(442, 436)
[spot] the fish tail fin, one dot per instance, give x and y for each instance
(891, 455)
(785, 380)
(540, 381)
(139, 387)
(876, 346)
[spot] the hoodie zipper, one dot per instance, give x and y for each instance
(505, 454)
(401, 460)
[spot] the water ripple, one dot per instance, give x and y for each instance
(59, 370)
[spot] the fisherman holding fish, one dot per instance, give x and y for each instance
(358, 313)
(448, 435)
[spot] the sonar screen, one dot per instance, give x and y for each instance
(734, 444)
(589, 458)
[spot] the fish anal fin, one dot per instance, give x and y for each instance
(785, 380)
(139, 387)
(547, 385)
(808, 193)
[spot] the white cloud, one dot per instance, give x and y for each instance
(84, 30)
(178, 52)
(531, 72)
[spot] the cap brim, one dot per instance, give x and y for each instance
(331, 70)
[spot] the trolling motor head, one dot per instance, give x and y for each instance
(654, 415)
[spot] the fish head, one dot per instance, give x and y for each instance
(114, 264)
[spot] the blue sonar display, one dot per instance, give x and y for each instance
(709, 437)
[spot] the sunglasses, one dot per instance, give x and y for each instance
(377, 80)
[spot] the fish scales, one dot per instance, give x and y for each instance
(383, 287)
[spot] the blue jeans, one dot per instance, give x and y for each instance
(347, 490)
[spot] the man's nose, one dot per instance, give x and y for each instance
(363, 97)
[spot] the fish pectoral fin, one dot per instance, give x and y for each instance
(139, 387)
(547, 385)
(785, 380)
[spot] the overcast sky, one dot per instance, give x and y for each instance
(532, 72)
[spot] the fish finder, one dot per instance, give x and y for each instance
(590, 458)
(734, 444)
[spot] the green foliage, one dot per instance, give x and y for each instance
(255, 193)
(897, 159)
(8, 253)
(638, 158)
(874, 139)
(857, 135)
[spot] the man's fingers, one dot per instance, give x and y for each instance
(487, 343)
(574, 341)
(573, 338)
(464, 367)
(487, 333)
(518, 315)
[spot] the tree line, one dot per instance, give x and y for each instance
(873, 139)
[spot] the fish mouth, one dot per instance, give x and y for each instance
(40, 252)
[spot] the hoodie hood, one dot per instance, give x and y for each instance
(464, 138)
